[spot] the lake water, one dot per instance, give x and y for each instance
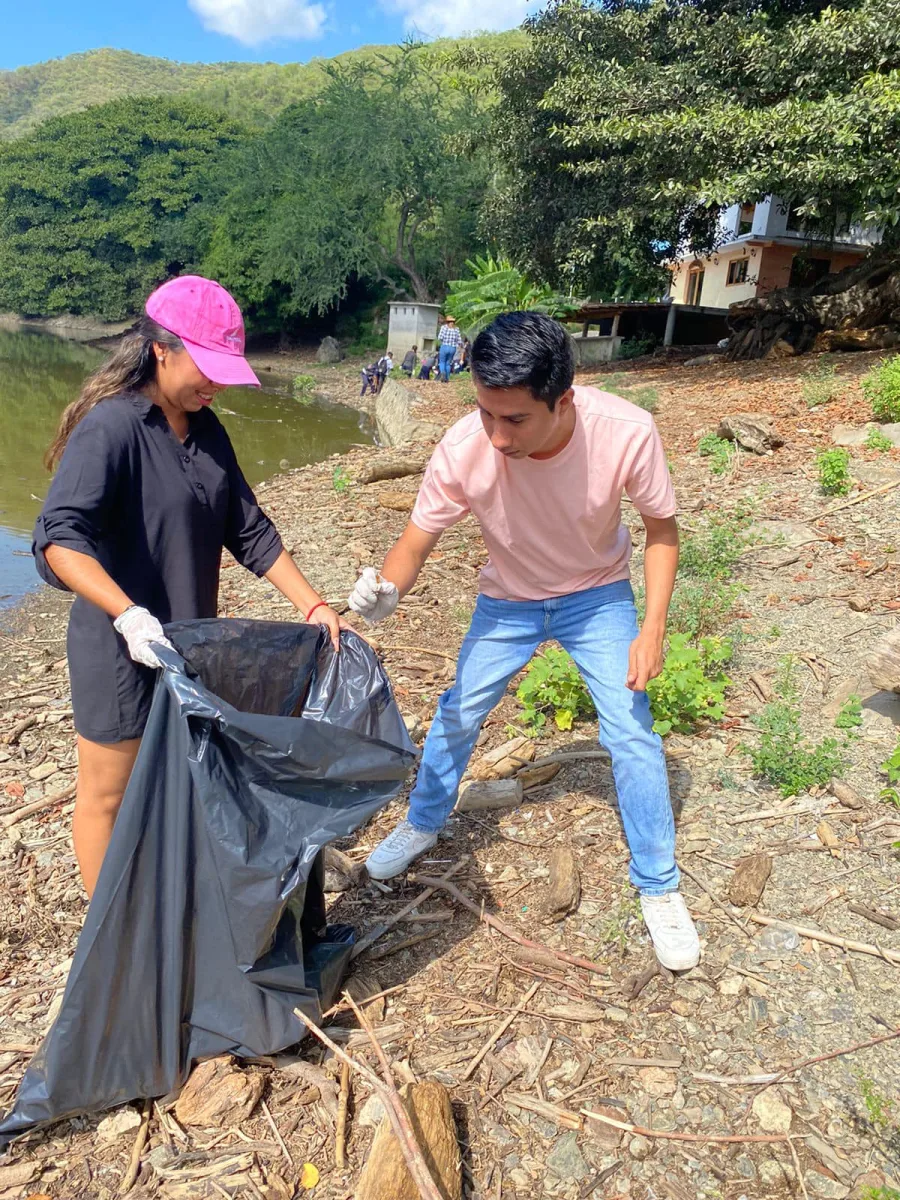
(41, 374)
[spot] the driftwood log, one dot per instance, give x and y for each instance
(883, 662)
(857, 308)
(489, 793)
(385, 1175)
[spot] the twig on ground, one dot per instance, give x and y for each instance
(17, 730)
(830, 939)
(27, 810)
(879, 491)
(137, 1150)
(505, 929)
(342, 1005)
(340, 1132)
(808, 1062)
(568, 756)
(872, 914)
(627, 1127)
(796, 1162)
(499, 1031)
(421, 650)
(365, 942)
(635, 984)
(718, 903)
(394, 1107)
(278, 1138)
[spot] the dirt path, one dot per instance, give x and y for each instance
(673, 1058)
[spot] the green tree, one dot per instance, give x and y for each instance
(358, 181)
(625, 127)
(93, 205)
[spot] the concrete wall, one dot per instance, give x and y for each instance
(411, 325)
(595, 349)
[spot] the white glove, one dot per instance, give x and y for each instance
(373, 597)
(140, 628)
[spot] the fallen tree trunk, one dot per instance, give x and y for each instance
(857, 308)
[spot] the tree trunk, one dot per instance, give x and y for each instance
(857, 308)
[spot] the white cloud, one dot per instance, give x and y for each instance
(449, 18)
(256, 21)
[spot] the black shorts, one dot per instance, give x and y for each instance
(111, 695)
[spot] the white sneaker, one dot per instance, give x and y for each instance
(398, 850)
(672, 931)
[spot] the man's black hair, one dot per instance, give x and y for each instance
(525, 350)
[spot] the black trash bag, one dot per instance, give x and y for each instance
(207, 927)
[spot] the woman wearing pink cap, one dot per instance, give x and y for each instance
(147, 494)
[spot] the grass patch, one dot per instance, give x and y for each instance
(643, 396)
(820, 384)
(850, 714)
(881, 387)
(340, 480)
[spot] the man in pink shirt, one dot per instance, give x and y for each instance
(543, 466)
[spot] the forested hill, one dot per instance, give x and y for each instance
(252, 92)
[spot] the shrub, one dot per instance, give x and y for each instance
(340, 480)
(785, 759)
(637, 347)
(876, 440)
(713, 551)
(692, 685)
(881, 387)
(820, 384)
(701, 606)
(834, 471)
(552, 685)
(718, 450)
(304, 387)
(850, 714)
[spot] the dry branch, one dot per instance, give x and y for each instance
(36, 806)
(627, 1127)
(499, 1031)
(379, 931)
(340, 1133)
(140, 1142)
(505, 929)
(830, 939)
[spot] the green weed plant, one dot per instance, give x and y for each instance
(553, 686)
(785, 759)
(881, 387)
(718, 450)
(876, 440)
(850, 714)
(691, 688)
(820, 384)
(834, 471)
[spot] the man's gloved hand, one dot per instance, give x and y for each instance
(140, 628)
(373, 597)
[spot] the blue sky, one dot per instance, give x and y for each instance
(246, 30)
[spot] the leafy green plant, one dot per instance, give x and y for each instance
(834, 471)
(340, 480)
(850, 714)
(497, 287)
(713, 551)
(820, 384)
(701, 606)
(692, 685)
(880, 1193)
(881, 387)
(785, 759)
(637, 347)
(879, 1108)
(622, 913)
(876, 440)
(718, 450)
(304, 387)
(891, 768)
(552, 685)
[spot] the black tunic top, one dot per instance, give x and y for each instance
(155, 513)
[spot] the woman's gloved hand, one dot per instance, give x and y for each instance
(141, 631)
(373, 597)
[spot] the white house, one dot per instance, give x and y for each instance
(764, 246)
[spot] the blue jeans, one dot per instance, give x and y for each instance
(445, 361)
(597, 627)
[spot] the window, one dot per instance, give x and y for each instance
(745, 220)
(694, 286)
(737, 270)
(807, 271)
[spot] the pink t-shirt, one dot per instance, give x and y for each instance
(551, 526)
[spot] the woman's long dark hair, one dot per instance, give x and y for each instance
(130, 367)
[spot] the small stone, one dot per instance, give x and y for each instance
(639, 1147)
(655, 1081)
(371, 1113)
(118, 1123)
(565, 1160)
(414, 728)
(776, 1174)
(731, 985)
(607, 1137)
(758, 1010)
(397, 501)
(773, 1114)
(745, 1167)
(818, 1184)
(44, 771)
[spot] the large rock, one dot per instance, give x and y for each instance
(394, 418)
(856, 435)
(329, 351)
(753, 431)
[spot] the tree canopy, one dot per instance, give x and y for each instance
(626, 127)
(93, 206)
(359, 181)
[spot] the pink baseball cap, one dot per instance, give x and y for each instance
(206, 318)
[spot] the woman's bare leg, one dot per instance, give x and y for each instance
(103, 774)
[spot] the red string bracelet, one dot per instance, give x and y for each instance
(321, 604)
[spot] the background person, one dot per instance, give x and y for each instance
(147, 494)
(449, 338)
(543, 465)
(409, 361)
